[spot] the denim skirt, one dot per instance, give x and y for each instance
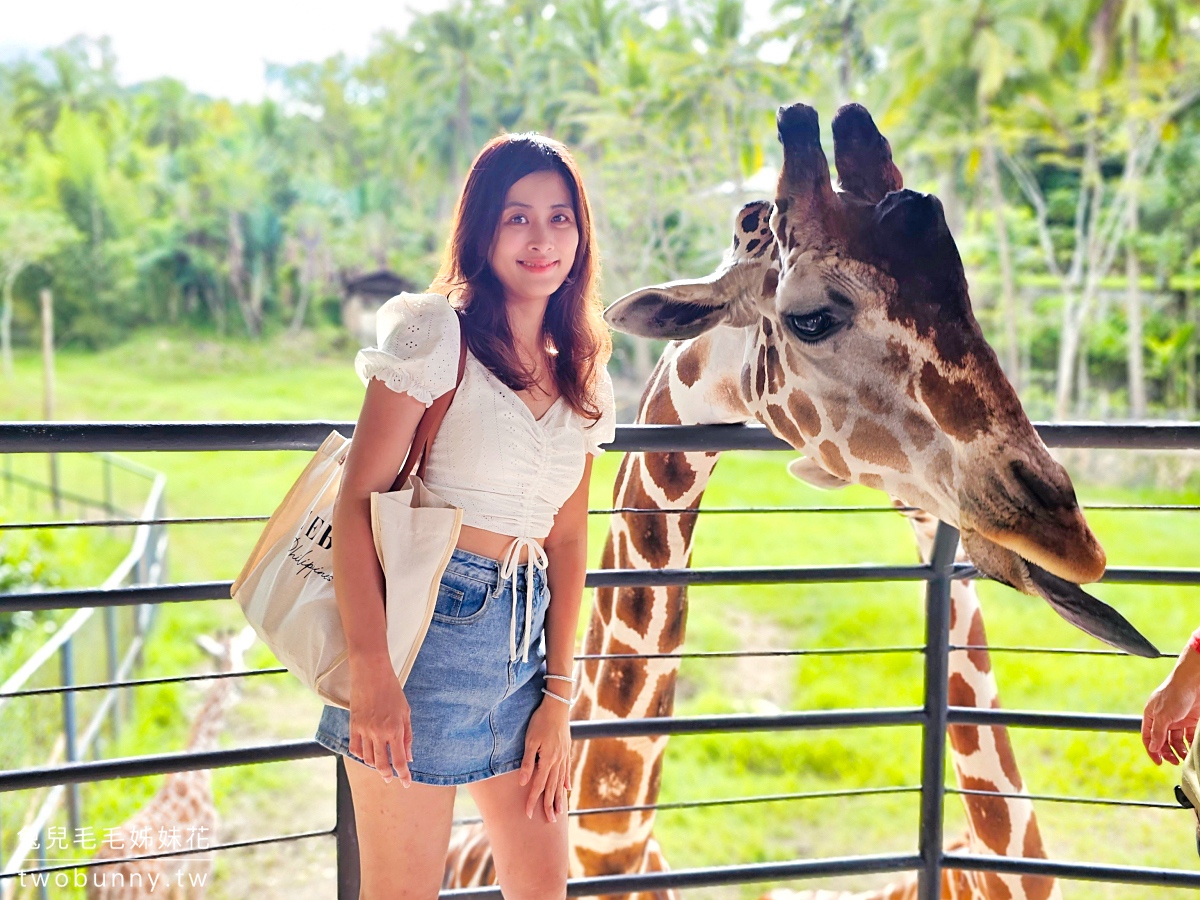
(470, 704)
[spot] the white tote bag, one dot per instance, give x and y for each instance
(286, 587)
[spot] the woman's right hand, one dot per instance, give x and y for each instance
(380, 719)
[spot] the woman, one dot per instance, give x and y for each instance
(487, 701)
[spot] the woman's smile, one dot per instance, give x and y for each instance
(538, 265)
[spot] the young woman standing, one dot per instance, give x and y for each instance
(487, 701)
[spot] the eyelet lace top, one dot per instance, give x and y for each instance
(508, 471)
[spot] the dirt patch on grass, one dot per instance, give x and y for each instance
(760, 680)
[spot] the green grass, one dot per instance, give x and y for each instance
(170, 378)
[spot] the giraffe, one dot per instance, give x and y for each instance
(983, 760)
(842, 322)
(181, 814)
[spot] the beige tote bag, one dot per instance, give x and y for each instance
(286, 587)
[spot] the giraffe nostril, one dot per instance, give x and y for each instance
(1047, 495)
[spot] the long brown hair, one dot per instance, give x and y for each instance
(573, 323)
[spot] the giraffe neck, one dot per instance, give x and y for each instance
(983, 758)
(688, 387)
(639, 620)
(210, 718)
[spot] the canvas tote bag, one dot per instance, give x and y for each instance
(286, 587)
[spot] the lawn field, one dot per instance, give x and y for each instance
(166, 378)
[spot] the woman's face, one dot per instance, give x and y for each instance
(536, 239)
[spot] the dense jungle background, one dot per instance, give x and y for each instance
(1063, 139)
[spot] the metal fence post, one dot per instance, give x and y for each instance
(41, 859)
(937, 674)
(111, 665)
(109, 509)
(347, 837)
(67, 658)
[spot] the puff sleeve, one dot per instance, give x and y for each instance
(604, 429)
(417, 346)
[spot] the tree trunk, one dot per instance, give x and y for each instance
(845, 57)
(6, 314)
(735, 157)
(249, 296)
(1068, 346)
(304, 294)
(1008, 306)
(47, 303)
(1083, 387)
(1133, 293)
(1194, 320)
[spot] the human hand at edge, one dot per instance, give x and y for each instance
(380, 721)
(546, 766)
(1172, 711)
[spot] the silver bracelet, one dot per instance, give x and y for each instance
(565, 678)
(560, 699)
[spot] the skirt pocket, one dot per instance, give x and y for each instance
(460, 600)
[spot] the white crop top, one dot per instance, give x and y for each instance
(508, 472)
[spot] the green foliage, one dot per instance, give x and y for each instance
(152, 205)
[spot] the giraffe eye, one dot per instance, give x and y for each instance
(813, 327)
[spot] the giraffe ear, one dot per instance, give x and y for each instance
(210, 646)
(684, 309)
(245, 638)
(806, 469)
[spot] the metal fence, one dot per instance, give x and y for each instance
(932, 716)
(144, 564)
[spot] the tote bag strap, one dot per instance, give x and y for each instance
(427, 428)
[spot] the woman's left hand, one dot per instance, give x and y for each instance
(546, 767)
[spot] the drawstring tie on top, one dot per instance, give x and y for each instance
(508, 569)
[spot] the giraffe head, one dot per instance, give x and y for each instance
(863, 353)
(228, 649)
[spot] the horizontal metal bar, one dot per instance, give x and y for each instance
(1058, 798)
(138, 682)
(131, 437)
(123, 596)
(968, 715)
(1095, 436)
(718, 875)
(729, 801)
(718, 575)
(202, 851)
(156, 764)
(219, 590)
(1073, 871)
(788, 721)
(762, 510)
(69, 437)
(693, 511)
(751, 654)
(279, 670)
(215, 590)
(1147, 575)
(1062, 651)
(122, 523)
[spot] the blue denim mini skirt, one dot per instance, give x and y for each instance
(470, 703)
